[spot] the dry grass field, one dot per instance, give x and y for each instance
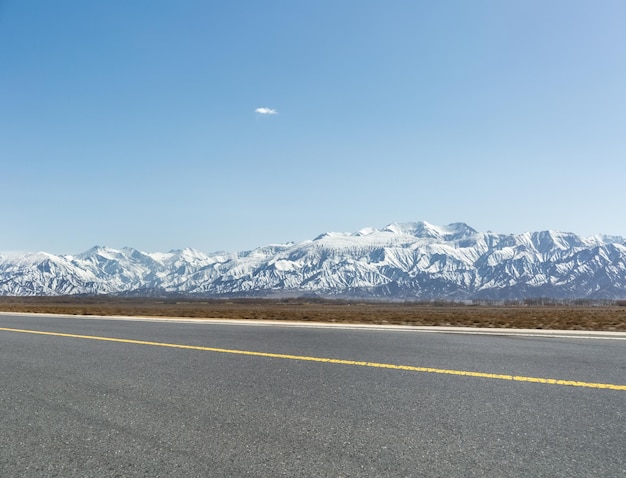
(564, 317)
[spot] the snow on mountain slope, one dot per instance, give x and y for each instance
(411, 261)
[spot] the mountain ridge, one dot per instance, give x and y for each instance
(402, 261)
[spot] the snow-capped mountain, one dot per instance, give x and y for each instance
(410, 261)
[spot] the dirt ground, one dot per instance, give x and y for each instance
(563, 317)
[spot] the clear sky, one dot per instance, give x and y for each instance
(230, 125)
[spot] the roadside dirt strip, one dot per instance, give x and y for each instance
(574, 316)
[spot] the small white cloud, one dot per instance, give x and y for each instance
(266, 111)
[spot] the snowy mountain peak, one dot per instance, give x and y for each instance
(327, 235)
(188, 253)
(366, 231)
(99, 251)
(425, 230)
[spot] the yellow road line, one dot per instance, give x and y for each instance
(409, 368)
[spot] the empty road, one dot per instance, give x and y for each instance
(92, 397)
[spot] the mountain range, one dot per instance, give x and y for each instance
(402, 261)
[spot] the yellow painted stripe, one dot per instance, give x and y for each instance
(410, 368)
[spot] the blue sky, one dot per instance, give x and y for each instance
(133, 123)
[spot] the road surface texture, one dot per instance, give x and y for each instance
(263, 401)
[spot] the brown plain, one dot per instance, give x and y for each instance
(573, 316)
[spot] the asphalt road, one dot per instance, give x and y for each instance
(72, 406)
